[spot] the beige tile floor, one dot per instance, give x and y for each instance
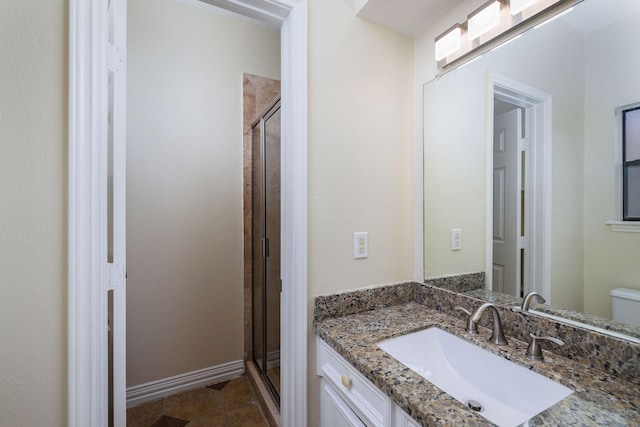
(229, 404)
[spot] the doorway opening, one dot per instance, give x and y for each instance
(90, 58)
(519, 190)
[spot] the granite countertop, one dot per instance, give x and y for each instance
(599, 399)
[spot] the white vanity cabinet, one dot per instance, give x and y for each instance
(402, 419)
(349, 399)
(334, 411)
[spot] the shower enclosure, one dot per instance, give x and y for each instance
(265, 242)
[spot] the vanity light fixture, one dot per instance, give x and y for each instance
(448, 42)
(517, 6)
(483, 19)
(492, 24)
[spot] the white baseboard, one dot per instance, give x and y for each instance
(154, 390)
(273, 359)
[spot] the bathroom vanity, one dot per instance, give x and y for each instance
(363, 385)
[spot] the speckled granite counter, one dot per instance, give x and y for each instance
(599, 399)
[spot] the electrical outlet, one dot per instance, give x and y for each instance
(360, 245)
(456, 239)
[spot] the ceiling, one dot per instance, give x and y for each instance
(408, 17)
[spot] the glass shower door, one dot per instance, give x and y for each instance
(272, 282)
(266, 286)
(257, 240)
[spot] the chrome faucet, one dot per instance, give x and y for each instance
(526, 302)
(497, 337)
(534, 351)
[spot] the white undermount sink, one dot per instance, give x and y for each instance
(509, 394)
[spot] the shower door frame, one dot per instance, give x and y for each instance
(261, 121)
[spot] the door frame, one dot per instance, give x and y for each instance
(538, 103)
(88, 195)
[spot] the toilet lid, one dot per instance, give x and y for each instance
(632, 294)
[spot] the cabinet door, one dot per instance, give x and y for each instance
(371, 405)
(334, 411)
(402, 419)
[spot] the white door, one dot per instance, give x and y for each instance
(117, 212)
(507, 177)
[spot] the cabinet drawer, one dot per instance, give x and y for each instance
(371, 405)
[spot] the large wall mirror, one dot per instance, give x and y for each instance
(523, 145)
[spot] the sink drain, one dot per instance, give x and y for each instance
(475, 405)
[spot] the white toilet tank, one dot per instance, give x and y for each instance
(625, 305)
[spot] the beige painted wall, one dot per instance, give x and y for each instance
(184, 213)
(611, 259)
(360, 165)
(33, 199)
(455, 156)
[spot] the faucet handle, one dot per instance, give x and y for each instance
(534, 351)
(464, 310)
(472, 324)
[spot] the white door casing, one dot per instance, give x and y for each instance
(87, 245)
(537, 105)
(89, 273)
(507, 131)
